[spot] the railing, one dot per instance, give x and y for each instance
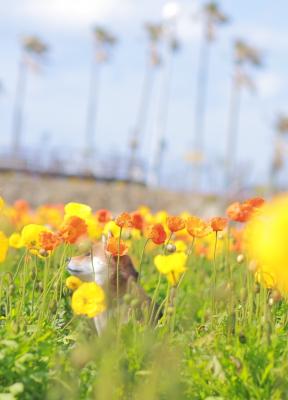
(72, 162)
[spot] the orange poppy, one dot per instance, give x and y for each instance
(218, 224)
(156, 233)
(114, 247)
(124, 220)
(72, 229)
(48, 241)
(239, 212)
(197, 228)
(175, 224)
(21, 206)
(255, 202)
(242, 212)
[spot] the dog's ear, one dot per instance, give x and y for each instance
(105, 238)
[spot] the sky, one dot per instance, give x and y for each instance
(57, 96)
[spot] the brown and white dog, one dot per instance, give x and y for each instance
(101, 267)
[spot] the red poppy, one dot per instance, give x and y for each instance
(137, 220)
(156, 233)
(103, 216)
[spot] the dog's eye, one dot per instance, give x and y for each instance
(88, 254)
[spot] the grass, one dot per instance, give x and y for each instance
(236, 351)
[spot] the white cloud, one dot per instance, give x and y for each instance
(268, 84)
(71, 12)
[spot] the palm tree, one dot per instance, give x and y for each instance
(103, 43)
(281, 128)
(33, 50)
(153, 61)
(155, 169)
(212, 18)
(245, 56)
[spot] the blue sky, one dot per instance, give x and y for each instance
(57, 97)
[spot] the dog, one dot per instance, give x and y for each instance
(101, 267)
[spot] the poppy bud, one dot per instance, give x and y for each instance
(257, 288)
(271, 301)
(240, 258)
(252, 266)
(276, 296)
(242, 338)
(135, 303)
(127, 298)
(170, 248)
(170, 310)
(43, 253)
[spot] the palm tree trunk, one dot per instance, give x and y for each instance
(141, 120)
(200, 108)
(232, 134)
(154, 172)
(276, 163)
(17, 120)
(93, 101)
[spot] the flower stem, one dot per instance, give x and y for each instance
(214, 275)
(141, 260)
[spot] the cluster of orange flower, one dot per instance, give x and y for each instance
(46, 228)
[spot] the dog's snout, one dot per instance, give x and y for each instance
(68, 259)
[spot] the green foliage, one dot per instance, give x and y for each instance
(240, 352)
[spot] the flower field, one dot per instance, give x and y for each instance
(185, 308)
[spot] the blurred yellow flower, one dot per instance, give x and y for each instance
(266, 277)
(181, 246)
(4, 244)
(30, 236)
(2, 203)
(266, 241)
(94, 228)
(161, 217)
(172, 266)
(136, 234)
(77, 210)
(73, 283)
(50, 215)
(89, 300)
(209, 243)
(144, 210)
(112, 228)
(15, 240)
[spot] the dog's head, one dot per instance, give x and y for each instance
(101, 267)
